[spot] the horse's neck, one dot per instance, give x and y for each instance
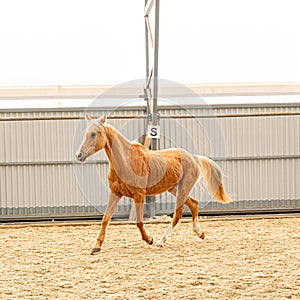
(117, 146)
(123, 167)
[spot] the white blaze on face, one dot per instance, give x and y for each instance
(79, 148)
(89, 124)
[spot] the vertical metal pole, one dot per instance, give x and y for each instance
(154, 142)
(152, 100)
(155, 72)
(147, 46)
(147, 68)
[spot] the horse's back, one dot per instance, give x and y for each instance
(156, 171)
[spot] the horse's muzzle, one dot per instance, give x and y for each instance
(80, 157)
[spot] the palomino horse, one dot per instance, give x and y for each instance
(135, 171)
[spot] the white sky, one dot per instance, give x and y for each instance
(62, 42)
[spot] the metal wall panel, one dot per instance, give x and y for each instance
(244, 136)
(259, 154)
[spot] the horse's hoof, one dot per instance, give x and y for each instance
(95, 250)
(160, 244)
(202, 236)
(151, 241)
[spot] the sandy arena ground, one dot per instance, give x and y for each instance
(239, 259)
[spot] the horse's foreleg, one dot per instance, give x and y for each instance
(111, 206)
(139, 206)
(192, 204)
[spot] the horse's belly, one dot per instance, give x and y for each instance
(165, 184)
(157, 182)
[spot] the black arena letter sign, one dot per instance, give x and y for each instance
(153, 131)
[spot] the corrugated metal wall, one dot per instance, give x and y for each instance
(257, 146)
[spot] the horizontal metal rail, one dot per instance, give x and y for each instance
(140, 108)
(51, 163)
(118, 216)
(204, 116)
(99, 162)
(236, 115)
(53, 118)
(260, 157)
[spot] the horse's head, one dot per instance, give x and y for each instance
(94, 138)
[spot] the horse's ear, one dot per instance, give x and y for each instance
(102, 119)
(87, 117)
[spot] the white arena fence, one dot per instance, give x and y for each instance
(259, 153)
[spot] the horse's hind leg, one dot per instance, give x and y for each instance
(182, 193)
(192, 204)
(176, 217)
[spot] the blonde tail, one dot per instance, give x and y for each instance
(212, 173)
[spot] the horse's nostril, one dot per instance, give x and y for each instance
(79, 155)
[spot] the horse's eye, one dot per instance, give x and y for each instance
(93, 135)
